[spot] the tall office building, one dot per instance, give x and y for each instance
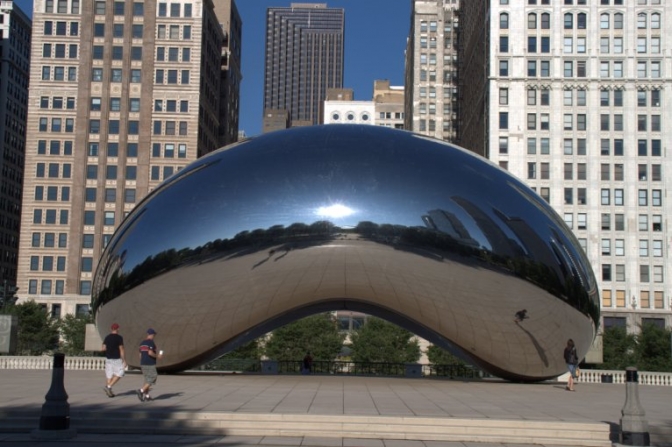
(15, 31)
(304, 57)
(122, 95)
(431, 69)
(571, 97)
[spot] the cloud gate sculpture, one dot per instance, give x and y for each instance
(387, 222)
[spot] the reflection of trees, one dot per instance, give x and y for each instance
(417, 239)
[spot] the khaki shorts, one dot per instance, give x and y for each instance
(149, 371)
(114, 367)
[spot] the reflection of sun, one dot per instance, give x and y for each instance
(336, 210)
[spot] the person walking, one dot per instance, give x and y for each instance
(148, 357)
(572, 360)
(308, 363)
(115, 358)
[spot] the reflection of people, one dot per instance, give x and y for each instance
(148, 357)
(308, 363)
(572, 360)
(115, 358)
(521, 315)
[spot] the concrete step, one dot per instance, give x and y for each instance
(336, 426)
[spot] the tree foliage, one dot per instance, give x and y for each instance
(318, 334)
(381, 341)
(653, 349)
(648, 351)
(618, 348)
(439, 356)
(37, 331)
(73, 333)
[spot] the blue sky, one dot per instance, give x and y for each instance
(375, 39)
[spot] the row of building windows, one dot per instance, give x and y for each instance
(49, 287)
(577, 45)
(579, 20)
(582, 224)
(646, 248)
(617, 273)
(570, 146)
(91, 194)
(59, 28)
(643, 172)
(608, 98)
(53, 170)
(645, 123)
(618, 300)
(112, 150)
(49, 216)
(49, 240)
(52, 193)
(585, 2)
(60, 50)
(114, 104)
(111, 172)
(61, 6)
(57, 102)
(59, 73)
(171, 77)
(173, 54)
(137, 30)
(116, 75)
(579, 69)
(169, 150)
(116, 53)
(119, 8)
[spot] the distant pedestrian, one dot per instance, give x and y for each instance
(148, 356)
(572, 360)
(115, 358)
(307, 363)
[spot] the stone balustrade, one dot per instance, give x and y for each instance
(98, 363)
(618, 376)
(46, 362)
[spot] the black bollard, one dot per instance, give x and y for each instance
(55, 417)
(634, 428)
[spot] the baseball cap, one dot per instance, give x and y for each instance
(151, 331)
(115, 326)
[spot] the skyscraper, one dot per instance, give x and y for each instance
(15, 33)
(304, 57)
(571, 97)
(431, 69)
(123, 94)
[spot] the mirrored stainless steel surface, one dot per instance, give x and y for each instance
(365, 218)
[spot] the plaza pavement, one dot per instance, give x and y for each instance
(23, 392)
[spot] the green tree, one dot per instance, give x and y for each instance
(317, 334)
(618, 348)
(439, 356)
(243, 358)
(37, 331)
(653, 349)
(73, 333)
(381, 341)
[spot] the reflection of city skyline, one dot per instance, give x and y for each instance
(498, 240)
(450, 224)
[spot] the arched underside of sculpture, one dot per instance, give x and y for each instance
(414, 230)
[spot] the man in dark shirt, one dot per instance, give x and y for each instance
(148, 356)
(115, 362)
